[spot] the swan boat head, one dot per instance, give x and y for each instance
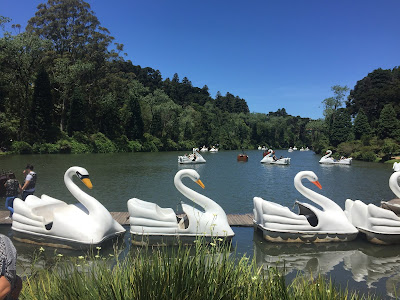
(310, 224)
(147, 218)
(87, 222)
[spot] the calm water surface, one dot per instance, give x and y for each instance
(149, 176)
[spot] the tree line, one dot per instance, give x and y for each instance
(65, 87)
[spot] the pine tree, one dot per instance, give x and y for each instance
(361, 125)
(388, 124)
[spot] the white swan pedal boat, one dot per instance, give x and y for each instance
(213, 150)
(149, 223)
(268, 159)
(53, 222)
(311, 224)
(381, 225)
(396, 166)
(327, 159)
(194, 158)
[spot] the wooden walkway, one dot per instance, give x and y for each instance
(239, 220)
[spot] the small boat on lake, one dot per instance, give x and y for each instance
(327, 159)
(194, 158)
(213, 149)
(311, 224)
(148, 220)
(273, 160)
(396, 166)
(381, 225)
(242, 157)
(204, 149)
(50, 221)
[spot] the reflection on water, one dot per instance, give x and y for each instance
(119, 177)
(357, 264)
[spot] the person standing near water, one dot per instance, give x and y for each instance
(12, 190)
(30, 182)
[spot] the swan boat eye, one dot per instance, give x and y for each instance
(80, 176)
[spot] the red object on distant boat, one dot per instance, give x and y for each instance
(242, 157)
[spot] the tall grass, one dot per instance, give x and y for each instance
(194, 272)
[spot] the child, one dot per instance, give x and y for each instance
(12, 189)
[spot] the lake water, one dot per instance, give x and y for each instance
(149, 176)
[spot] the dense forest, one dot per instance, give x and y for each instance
(65, 87)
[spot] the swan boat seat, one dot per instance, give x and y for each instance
(311, 224)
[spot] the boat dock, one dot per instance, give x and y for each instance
(238, 220)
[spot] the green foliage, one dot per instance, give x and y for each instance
(46, 148)
(361, 125)
(42, 126)
(151, 143)
(341, 127)
(373, 92)
(21, 147)
(64, 146)
(388, 124)
(184, 272)
(86, 96)
(135, 146)
(102, 144)
(368, 156)
(347, 149)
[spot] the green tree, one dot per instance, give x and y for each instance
(388, 124)
(341, 127)
(77, 113)
(361, 125)
(20, 58)
(41, 124)
(373, 92)
(72, 27)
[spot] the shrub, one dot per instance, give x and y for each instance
(64, 146)
(170, 145)
(102, 144)
(187, 145)
(122, 143)
(46, 148)
(80, 148)
(368, 156)
(135, 146)
(151, 144)
(347, 148)
(21, 147)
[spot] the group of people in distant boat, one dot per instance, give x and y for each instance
(14, 188)
(275, 158)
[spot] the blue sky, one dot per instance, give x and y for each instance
(273, 54)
